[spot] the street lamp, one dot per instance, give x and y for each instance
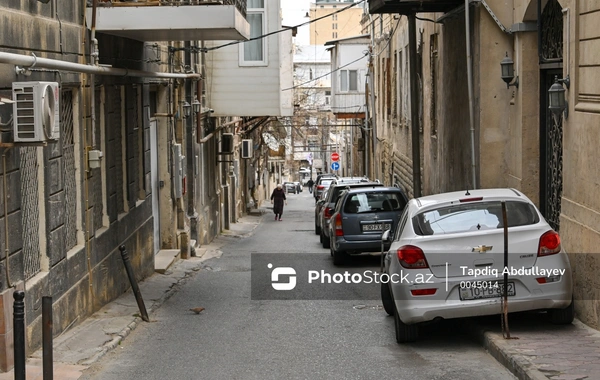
(196, 105)
(556, 95)
(187, 109)
(508, 72)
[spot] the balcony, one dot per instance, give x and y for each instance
(191, 20)
(406, 7)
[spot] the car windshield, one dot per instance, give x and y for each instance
(477, 216)
(371, 202)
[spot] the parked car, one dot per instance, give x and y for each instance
(298, 187)
(318, 181)
(321, 186)
(318, 208)
(456, 241)
(333, 194)
(360, 217)
(349, 180)
(290, 187)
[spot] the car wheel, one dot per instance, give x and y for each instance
(338, 257)
(317, 229)
(404, 333)
(325, 241)
(386, 299)
(563, 316)
(321, 238)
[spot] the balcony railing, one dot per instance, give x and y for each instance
(239, 4)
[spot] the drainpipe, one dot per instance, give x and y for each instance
(414, 105)
(27, 61)
(470, 85)
(373, 115)
(190, 153)
(94, 57)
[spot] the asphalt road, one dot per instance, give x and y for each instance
(333, 331)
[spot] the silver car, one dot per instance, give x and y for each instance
(446, 260)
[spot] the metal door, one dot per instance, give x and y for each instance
(551, 126)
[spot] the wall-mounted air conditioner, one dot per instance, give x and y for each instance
(247, 146)
(36, 111)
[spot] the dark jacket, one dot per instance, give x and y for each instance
(278, 198)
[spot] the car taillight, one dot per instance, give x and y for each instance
(328, 212)
(412, 257)
(423, 292)
(549, 244)
(320, 187)
(339, 231)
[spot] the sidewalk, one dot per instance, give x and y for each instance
(85, 343)
(540, 350)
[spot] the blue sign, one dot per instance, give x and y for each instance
(335, 166)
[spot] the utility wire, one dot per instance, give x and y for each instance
(329, 73)
(204, 50)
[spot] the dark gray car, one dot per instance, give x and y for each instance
(360, 217)
(326, 210)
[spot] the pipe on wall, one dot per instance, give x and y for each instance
(27, 61)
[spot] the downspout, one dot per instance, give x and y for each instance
(373, 116)
(470, 86)
(190, 153)
(414, 105)
(94, 57)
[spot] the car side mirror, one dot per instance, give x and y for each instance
(386, 236)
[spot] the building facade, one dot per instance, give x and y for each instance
(473, 129)
(109, 139)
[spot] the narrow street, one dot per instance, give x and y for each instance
(238, 337)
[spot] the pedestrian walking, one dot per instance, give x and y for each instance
(310, 184)
(277, 200)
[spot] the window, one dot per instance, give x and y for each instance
(334, 35)
(348, 80)
(334, 26)
(334, 17)
(478, 216)
(254, 53)
(327, 97)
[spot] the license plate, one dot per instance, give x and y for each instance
(376, 227)
(484, 289)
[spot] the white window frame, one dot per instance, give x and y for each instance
(265, 60)
(346, 74)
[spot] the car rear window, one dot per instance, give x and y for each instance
(326, 182)
(359, 203)
(478, 216)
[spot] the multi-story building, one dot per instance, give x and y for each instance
(446, 118)
(114, 132)
(338, 24)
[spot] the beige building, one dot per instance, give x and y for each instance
(518, 142)
(338, 25)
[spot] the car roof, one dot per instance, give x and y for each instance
(374, 188)
(357, 185)
(457, 196)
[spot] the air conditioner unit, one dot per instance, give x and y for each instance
(36, 111)
(247, 146)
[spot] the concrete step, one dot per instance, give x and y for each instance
(164, 258)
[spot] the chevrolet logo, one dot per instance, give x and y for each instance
(482, 248)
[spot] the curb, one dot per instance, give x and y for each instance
(497, 346)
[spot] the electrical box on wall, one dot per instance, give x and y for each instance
(247, 146)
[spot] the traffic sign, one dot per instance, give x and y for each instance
(335, 166)
(335, 156)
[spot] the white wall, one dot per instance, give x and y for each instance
(234, 90)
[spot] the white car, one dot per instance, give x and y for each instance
(446, 260)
